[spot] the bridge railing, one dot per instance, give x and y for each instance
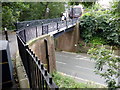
(25, 24)
(37, 74)
(31, 32)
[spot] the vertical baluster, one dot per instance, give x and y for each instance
(36, 32)
(24, 35)
(47, 29)
(57, 26)
(42, 28)
(66, 23)
(40, 79)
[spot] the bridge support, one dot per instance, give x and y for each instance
(68, 41)
(44, 51)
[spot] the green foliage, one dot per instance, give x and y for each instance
(68, 82)
(11, 13)
(106, 64)
(100, 24)
(86, 4)
(56, 9)
(25, 11)
(116, 9)
(97, 41)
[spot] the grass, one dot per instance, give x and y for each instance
(63, 81)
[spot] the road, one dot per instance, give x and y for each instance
(79, 66)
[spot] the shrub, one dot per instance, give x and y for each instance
(100, 24)
(106, 64)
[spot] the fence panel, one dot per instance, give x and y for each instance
(30, 33)
(37, 74)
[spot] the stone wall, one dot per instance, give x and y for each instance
(38, 47)
(68, 41)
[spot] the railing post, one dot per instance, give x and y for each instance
(47, 56)
(28, 65)
(72, 21)
(47, 29)
(42, 28)
(24, 35)
(66, 23)
(36, 32)
(57, 26)
(6, 34)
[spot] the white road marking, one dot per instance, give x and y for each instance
(85, 80)
(87, 59)
(84, 68)
(60, 62)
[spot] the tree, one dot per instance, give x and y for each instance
(106, 65)
(11, 13)
(86, 4)
(56, 8)
(22, 11)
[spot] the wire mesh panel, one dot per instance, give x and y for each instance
(39, 30)
(25, 24)
(61, 24)
(52, 27)
(30, 33)
(69, 22)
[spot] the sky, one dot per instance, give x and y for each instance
(105, 3)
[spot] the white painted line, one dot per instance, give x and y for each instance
(84, 68)
(60, 62)
(85, 80)
(85, 59)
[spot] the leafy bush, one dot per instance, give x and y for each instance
(106, 64)
(100, 24)
(97, 41)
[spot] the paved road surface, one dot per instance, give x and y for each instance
(77, 65)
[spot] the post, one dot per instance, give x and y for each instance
(42, 28)
(47, 29)
(6, 34)
(36, 32)
(24, 36)
(66, 23)
(57, 27)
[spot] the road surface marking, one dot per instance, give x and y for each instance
(85, 59)
(60, 62)
(84, 68)
(85, 80)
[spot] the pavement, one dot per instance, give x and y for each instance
(78, 66)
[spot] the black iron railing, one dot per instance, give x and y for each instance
(37, 74)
